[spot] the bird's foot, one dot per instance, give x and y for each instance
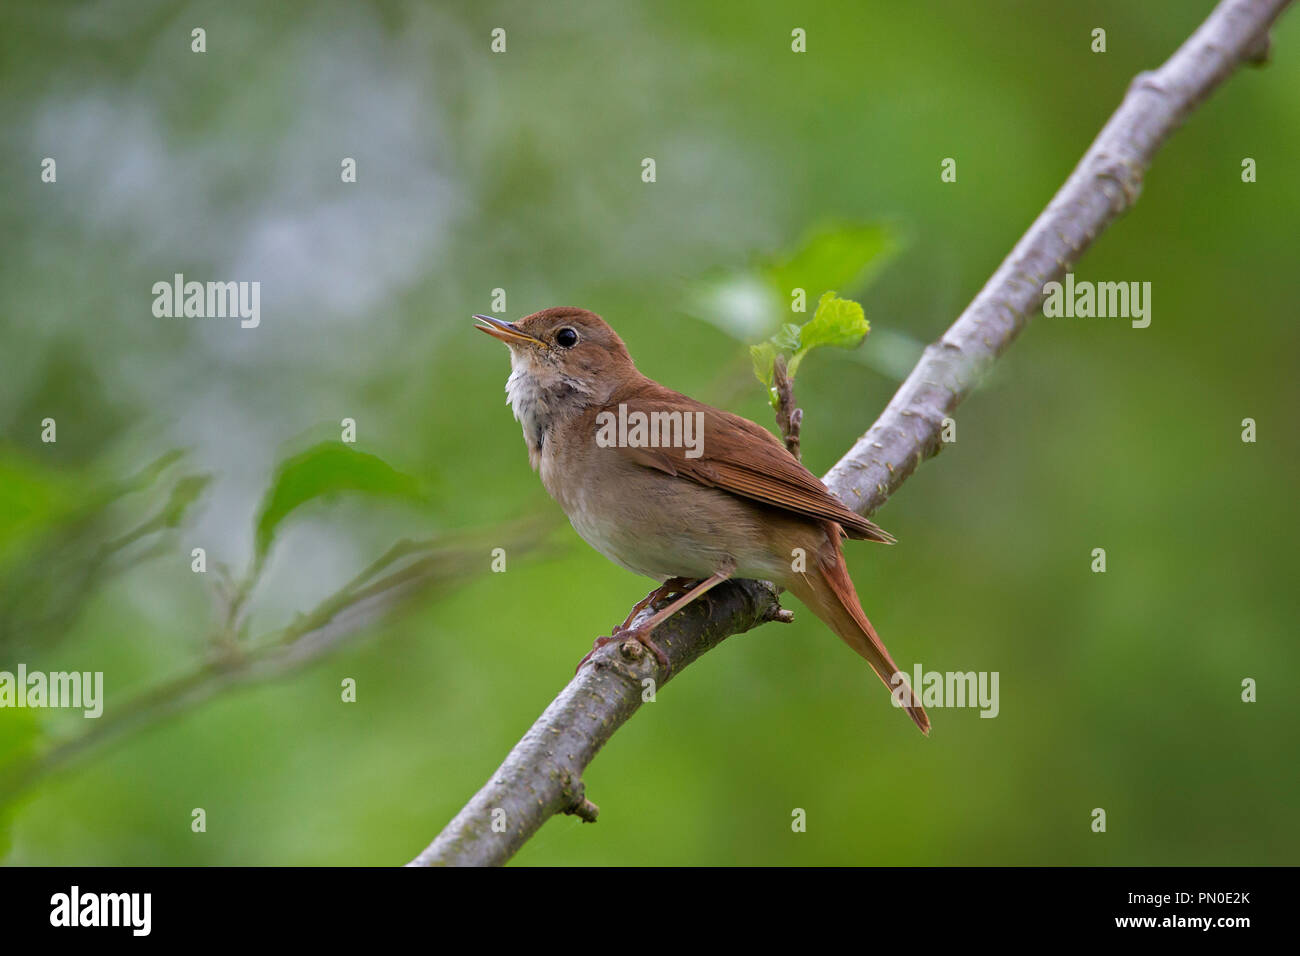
(624, 631)
(641, 635)
(599, 643)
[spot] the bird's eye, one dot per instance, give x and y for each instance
(566, 338)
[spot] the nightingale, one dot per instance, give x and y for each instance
(677, 490)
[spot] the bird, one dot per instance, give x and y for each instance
(679, 491)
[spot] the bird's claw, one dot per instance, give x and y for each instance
(648, 643)
(637, 634)
(597, 645)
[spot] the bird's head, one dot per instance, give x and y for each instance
(565, 354)
(562, 361)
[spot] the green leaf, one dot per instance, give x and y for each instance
(184, 493)
(748, 302)
(833, 256)
(326, 469)
(838, 322)
(787, 338)
(151, 472)
(764, 356)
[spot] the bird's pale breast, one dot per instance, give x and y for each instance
(653, 523)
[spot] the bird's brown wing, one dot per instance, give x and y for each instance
(736, 455)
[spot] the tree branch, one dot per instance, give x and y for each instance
(542, 775)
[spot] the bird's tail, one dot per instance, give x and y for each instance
(828, 591)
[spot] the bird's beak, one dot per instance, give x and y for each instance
(507, 332)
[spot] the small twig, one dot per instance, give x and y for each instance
(789, 417)
(230, 665)
(581, 807)
(234, 663)
(779, 614)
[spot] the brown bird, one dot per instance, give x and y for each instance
(678, 490)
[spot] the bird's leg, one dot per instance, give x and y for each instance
(643, 632)
(668, 588)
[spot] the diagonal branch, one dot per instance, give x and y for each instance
(542, 775)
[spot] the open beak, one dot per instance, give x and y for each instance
(507, 332)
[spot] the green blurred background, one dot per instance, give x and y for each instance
(521, 171)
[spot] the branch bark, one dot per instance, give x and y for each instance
(542, 775)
